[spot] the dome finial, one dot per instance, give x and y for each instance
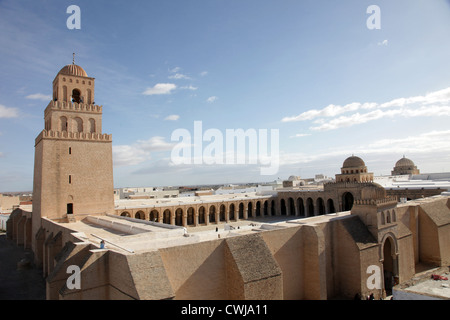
(73, 58)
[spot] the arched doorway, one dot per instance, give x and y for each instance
(258, 209)
(190, 216)
(222, 212)
(320, 206)
(154, 215)
(140, 215)
(330, 206)
(347, 201)
(241, 210)
(301, 207)
(179, 217)
(310, 207)
(283, 207)
(166, 216)
(291, 206)
(212, 214)
(390, 270)
(231, 213)
(201, 215)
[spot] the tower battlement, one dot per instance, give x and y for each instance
(72, 106)
(81, 136)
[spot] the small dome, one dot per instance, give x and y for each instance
(404, 162)
(353, 161)
(73, 70)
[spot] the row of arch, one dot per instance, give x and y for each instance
(309, 207)
(225, 212)
(76, 125)
(388, 217)
(359, 179)
(206, 214)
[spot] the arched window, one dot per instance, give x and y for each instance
(78, 125)
(89, 96)
(91, 125)
(63, 123)
(64, 93)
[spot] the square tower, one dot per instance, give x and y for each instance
(73, 168)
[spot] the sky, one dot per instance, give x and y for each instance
(314, 80)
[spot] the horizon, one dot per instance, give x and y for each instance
(312, 70)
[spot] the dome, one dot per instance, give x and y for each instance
(353, 161)
(73, 70)
(405, 162)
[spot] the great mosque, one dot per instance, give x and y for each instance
(292, 244)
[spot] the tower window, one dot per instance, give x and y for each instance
(70, 208)
(76, 95)
(70, 150)
(70, 179)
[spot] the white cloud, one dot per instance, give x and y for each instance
(179, 76)
(301, 135)
(211, 99)
(125, 155)
(383, 43)
(140, 151)
(6, 112)
(160, 88)
(203, 73)
(357, 118)
(174, 70)
(172, 117)
(433, 104)
(156, 143)
(189, 87)
(39, 96)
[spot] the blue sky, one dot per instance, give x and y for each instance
(310, 69)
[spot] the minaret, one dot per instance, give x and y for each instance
(73, 174)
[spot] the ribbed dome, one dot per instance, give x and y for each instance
(404, 162)
(353, 161)
(73, 70)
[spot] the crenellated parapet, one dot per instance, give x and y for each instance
(81, 136)
(388, 201)
(72, 106)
